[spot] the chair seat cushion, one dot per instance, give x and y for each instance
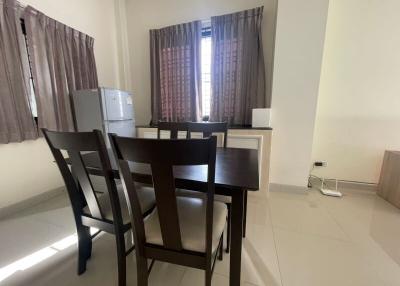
(146, 198)
(192, 222)
(200, 195)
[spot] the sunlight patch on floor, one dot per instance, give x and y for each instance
(40, 255)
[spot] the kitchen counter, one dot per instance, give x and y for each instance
(247, 127)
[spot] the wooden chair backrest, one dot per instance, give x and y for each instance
(78, 183)
(162, 156)
(208, 128)
(173, 127)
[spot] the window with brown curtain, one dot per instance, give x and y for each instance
(237, 67)
(16, 121)
(226, 82)
(175, 72)
(62, 61)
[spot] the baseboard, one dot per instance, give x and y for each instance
(274, 187)
(360, 186)
(20, 206)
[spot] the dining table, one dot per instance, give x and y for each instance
(236, 172)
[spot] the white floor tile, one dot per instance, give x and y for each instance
(23, 236)
(293, 239)
(194, 277)
(309, 260)
(166, 274)
(303, 213)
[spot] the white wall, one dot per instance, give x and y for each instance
(359, 104)
(146, 15)
(299, 46)
(27, 168)
(298, 55)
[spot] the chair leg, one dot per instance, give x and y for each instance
(89, 244)
(221, 248)
(142, 275)
(244, 214)
(84, 247)
(121, 259)
(208, 276)
(228, 232)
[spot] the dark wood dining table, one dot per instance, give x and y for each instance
(236, 172)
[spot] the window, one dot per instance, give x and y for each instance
(32, 99)
(206, 71)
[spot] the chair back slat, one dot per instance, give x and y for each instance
(79, 185)
(163, 155)
(85, 184)
(163, 180)
(71, 183)
(210, 199)
(173, 128)
(74, 141)
(175, 151)
(208, 128)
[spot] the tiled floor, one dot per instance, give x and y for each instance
(293, 239)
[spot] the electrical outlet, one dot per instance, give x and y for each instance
(320, 163)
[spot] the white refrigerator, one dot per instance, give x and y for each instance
(106, 109)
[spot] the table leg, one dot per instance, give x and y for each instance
(245, 213)
(236, 237)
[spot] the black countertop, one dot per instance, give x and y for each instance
(245, 127)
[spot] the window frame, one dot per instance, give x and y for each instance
(31, 79)
(205, 33)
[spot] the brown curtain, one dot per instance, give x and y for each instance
(62, 61)
(176, 72)
(16, 120)
(237, 69)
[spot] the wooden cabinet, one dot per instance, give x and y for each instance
(389, 183)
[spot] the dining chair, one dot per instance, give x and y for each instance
(207, 129)
(107, 212)
(183, 231)
(173, 128)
